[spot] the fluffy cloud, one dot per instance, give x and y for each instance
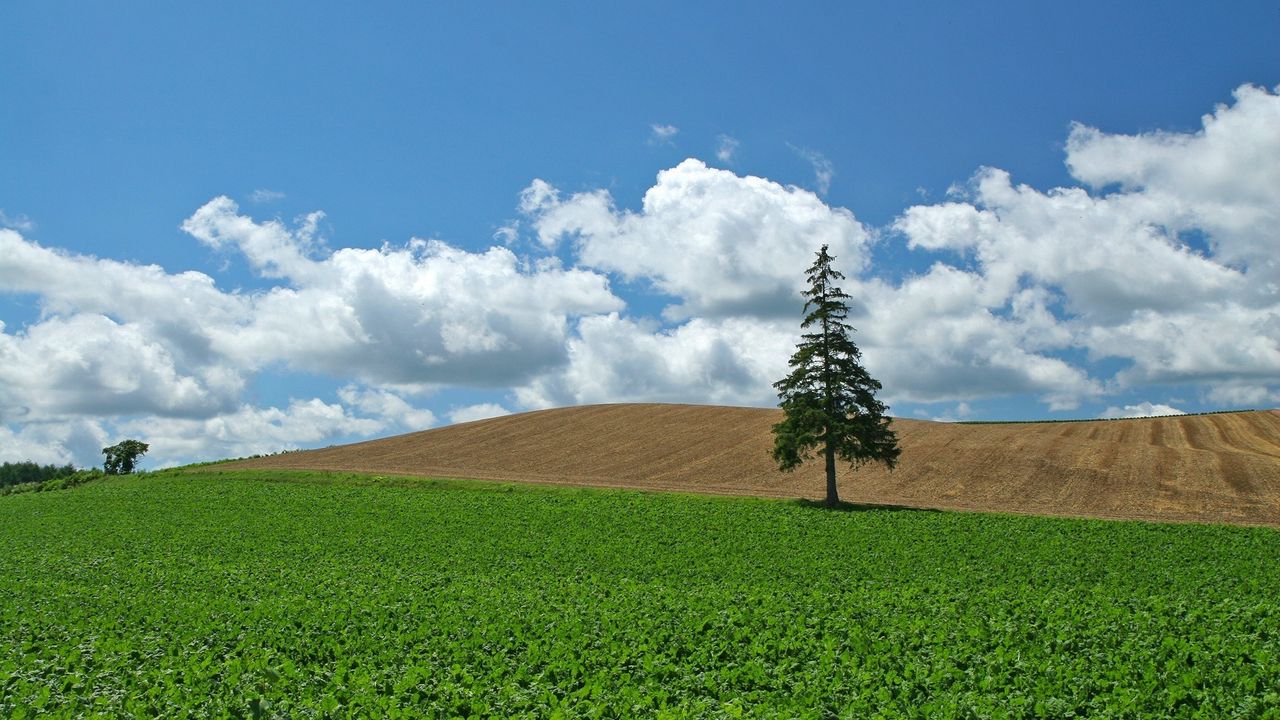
(723, 244)
(953, 350)
(90, 365)
(1167, 264)
(1224, 179)
(1103, 254)
(176, 307)
(251, 430)
(271, 248)
(76, 442)
(425, 312)
(1142, 409)
(480, 411)
(931, 339)
(121, 340)
(388, 406)
(1162, 263)
(660, 134)
(1242, 394)
(731, 361)
(1123, 266)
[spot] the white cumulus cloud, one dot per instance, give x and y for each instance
(250, 430)
(388, 407)
(729, 361)
(1159, 264)
(76, 442)
(1223, 179)
(722, 243)
(91, 365)
(423, 312)
(479, 411)
(137, 344)
(1142, 409)
(1121, 265)
(1026, 285)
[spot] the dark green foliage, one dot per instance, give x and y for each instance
(122, 456)
(29, 472)
(828, 397)
(58, 482)
(220, 595)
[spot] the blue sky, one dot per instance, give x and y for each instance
(1045, 210)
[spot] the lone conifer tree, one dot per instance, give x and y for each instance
(828, 397)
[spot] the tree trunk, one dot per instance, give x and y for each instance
(833, 497)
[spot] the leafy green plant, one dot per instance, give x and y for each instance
(324, 595)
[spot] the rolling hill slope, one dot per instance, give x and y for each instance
(1207, 468)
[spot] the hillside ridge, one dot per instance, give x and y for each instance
(1204, 468)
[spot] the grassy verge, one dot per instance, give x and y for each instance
(319, 595)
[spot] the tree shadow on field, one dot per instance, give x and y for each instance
(845, 506)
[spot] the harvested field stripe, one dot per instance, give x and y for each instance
(1216, 468)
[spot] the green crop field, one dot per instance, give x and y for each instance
(234, 594)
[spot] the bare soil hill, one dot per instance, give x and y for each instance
(1207, 468)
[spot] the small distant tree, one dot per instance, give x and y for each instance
(122, 457)
(829, 398)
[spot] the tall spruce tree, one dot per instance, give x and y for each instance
(828, 397)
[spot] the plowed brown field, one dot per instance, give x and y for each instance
(1207, 468)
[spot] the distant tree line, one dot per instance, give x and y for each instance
(29, 472)
(27, 477)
